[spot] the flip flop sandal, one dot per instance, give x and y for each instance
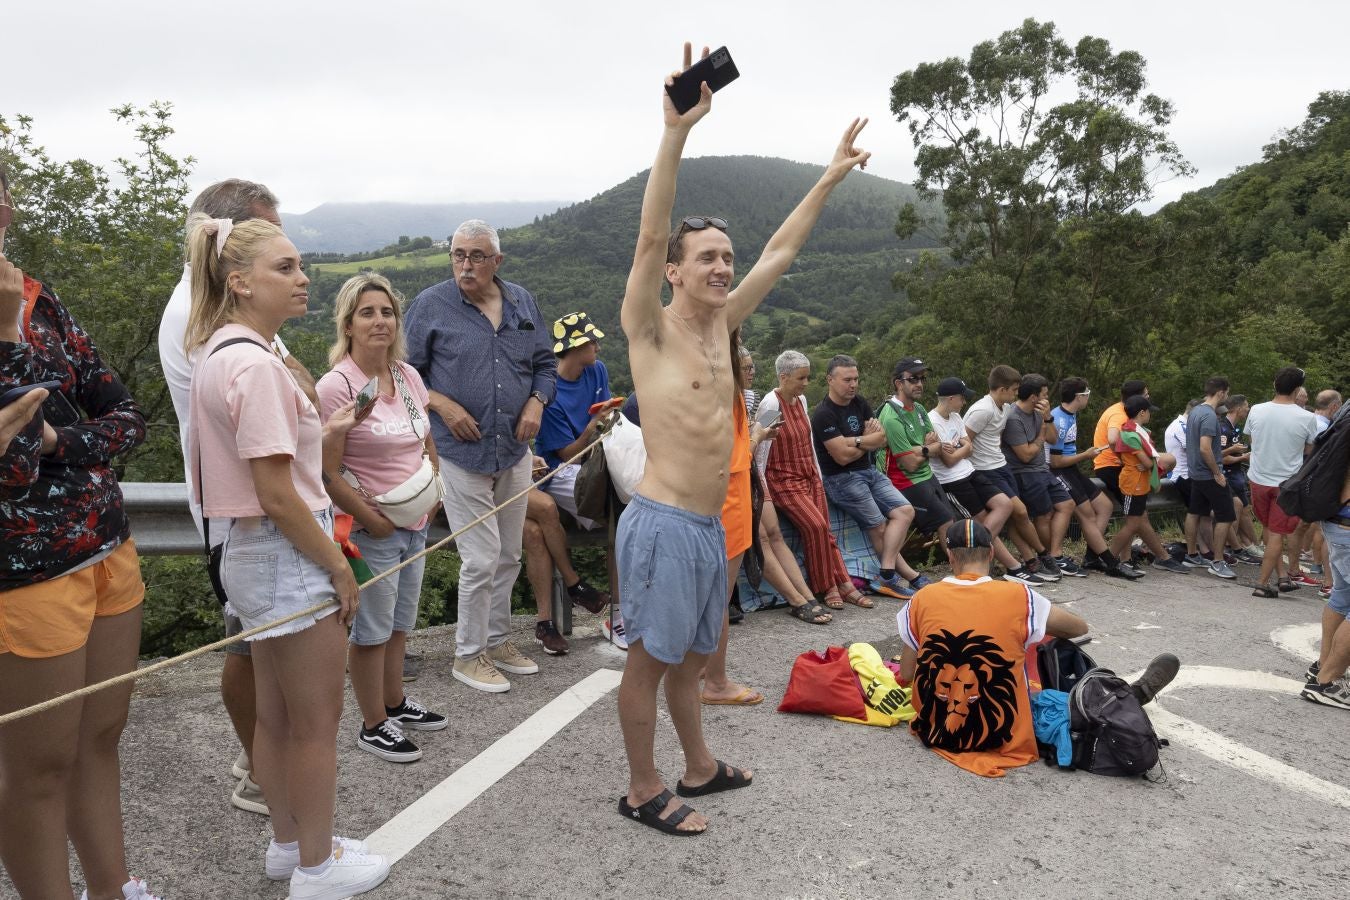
(649, 814)
(728, 778)
(809, 613)
(747, 697)
(832, 599)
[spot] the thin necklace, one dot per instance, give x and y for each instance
(712, 365)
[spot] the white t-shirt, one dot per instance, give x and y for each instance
(986, 420)
(1174, 439)
(1278, 432)
(948, 431)
(177, 368)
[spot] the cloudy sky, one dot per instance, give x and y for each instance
(529, 100)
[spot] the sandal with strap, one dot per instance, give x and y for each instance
(810, 613)
(649, 814)
(857, 598)
(832, 599)
(728, 778)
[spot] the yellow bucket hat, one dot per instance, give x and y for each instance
(573, 330)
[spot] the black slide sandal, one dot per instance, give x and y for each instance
(649, 814)
(719, 782)
(810, 613)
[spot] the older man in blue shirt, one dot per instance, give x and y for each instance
(482, 348)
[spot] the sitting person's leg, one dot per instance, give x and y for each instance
(824, 567)
(539, 573)
(781, 570)
(544, 511)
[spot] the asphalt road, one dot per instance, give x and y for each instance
(837, 810)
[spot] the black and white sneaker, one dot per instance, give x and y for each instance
(386, 741)
(1096, 564)
(415, 717)
(1337, 693)
(1024, 576)
(1314, 667)
(1068, 567)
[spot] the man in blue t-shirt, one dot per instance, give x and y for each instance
(568, 426)
(1092, 507)
(1209, 485)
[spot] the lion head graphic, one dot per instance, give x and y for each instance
(968, 692)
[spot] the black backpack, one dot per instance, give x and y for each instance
(1062, 663)
(1314, 492)
(1112, 735)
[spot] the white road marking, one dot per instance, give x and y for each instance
(1225, 750)
(1299, 641)
(397, 837)
(1145, 626)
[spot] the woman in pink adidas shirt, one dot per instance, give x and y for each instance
(379, 453)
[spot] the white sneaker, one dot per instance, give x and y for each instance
(134, 889)
(240, 768)
(280, 862)
(612, 629)
(506, 657)
(249, 797)
(349, 872)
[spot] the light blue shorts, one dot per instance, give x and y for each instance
(267, 579)
(672, 579)
(1338, 556)
(390, 604)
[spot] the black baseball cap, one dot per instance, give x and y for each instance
(910, 365)
(1137, 404)
(968, 533)
(954, 387)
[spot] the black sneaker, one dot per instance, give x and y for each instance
(587, 597)
(1314, 668)
(415, 717)
(1045, 568)
(1157, 675)
(1024, 576)
(386, 741)
(1096, 564)
(1123, 570)
(546, 635)
(1068, 567)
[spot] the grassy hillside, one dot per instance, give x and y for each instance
(578, 257)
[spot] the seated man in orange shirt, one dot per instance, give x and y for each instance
(966, 639)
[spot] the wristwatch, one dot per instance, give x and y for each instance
(857, 442)
(539, 395)
(924, 451)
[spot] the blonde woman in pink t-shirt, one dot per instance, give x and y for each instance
(379, 453)
(260, 439)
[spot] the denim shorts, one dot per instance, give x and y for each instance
(865, 494)
(267, 579)
(672, 579)
(1338, 556)
(389, 604)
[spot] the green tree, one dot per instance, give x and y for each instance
(111, 246)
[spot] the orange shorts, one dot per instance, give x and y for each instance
(51, 618)
(738, 516)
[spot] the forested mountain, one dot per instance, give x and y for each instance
(578, 257)
(353, 227)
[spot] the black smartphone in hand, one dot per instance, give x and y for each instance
(717, 68)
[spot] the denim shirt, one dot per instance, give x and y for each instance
(491, 373)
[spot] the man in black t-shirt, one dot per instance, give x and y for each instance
(846, 436)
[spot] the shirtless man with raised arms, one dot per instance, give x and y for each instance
(671, 548)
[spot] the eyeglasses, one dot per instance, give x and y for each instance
(1086, 393)
(477, 257)
(698, 223)
(914, 379)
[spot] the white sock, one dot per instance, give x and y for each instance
(289, 845)
(319, 869)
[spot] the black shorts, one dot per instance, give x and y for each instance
(970, 496)
(1133, 507)
(1041, 491)
(1110, 476)
(1183, 486)
(1237, 483)
(931, 510)
(1208, 497)
(1081, 488)
(1001, 478)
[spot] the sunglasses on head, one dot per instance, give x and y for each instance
(698, 223)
